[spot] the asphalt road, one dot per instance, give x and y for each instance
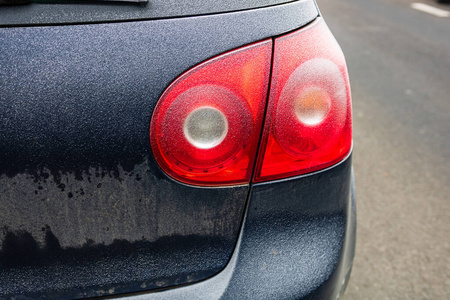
(399, 64)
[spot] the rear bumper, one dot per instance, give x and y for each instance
(297, 242)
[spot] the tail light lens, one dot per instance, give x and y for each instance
(308, 122)
(206, 127)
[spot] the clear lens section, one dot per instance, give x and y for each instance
(311, 109)
(205, 127)
(312, 106)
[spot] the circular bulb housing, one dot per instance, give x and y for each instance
(312, 106)
(205, 127)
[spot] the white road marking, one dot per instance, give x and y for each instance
(431, 10)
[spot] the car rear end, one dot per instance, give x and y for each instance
(173, 150)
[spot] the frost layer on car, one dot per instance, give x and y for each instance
(69, 12)
(86, 211)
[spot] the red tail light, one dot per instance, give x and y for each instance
(308, 121)
(206, 126)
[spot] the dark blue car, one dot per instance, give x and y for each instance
(193, 149)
